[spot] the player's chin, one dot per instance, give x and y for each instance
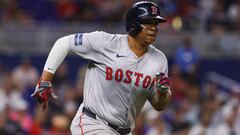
(150, 39)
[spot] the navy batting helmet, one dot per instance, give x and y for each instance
(140, 13)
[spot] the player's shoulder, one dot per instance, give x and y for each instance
(156, 52)
(103, 40)
(112, 40)
(105, 35)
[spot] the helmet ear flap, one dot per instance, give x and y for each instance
(135, 28)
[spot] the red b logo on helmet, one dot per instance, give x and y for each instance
(154, 10)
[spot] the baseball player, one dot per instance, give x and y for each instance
(124, 71)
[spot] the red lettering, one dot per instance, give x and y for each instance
(128, 79)
(146, 81)
(139, 76)
(109, 72)
(119, 75)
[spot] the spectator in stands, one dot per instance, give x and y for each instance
(38, 127)
(12, 13)
(234, 15)
(230, 125)
(207, 8)
(67, 10)
(109, 10)
(179, 85)
(157, 125)
(8, 93)
(218, 16)
(19, 115)
(203, 127)
(25, 74)
(187, 59)
(169, 7)
(10, 101)
(60, 125)
(178, 122)
(9, 127)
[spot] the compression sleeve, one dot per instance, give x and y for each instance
(57, 54)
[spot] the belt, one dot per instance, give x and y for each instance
(120, 130)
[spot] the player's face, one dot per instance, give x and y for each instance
(149, 32)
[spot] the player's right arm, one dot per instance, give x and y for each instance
(61, 48)
(86, 45)
(43, 90)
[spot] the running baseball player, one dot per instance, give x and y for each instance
(124, 71)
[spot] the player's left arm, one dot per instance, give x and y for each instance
(162, 93)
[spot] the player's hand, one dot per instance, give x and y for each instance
(43, 92)
(162, 83)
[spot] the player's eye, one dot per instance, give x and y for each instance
(148, 21)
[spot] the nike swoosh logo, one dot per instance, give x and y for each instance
(49, 68)
(120, 55)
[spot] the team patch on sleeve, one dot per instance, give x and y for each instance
(78, 39)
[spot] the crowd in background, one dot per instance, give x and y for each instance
(194, 110)
(209, 14)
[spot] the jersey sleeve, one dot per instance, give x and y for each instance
(57, 54)
(88, 45)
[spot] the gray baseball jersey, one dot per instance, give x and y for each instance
(117, 82)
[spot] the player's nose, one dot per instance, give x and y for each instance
(153, 30)
(154, 27)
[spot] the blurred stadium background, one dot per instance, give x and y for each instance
(201, 40)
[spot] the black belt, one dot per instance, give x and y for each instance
(122, 131)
